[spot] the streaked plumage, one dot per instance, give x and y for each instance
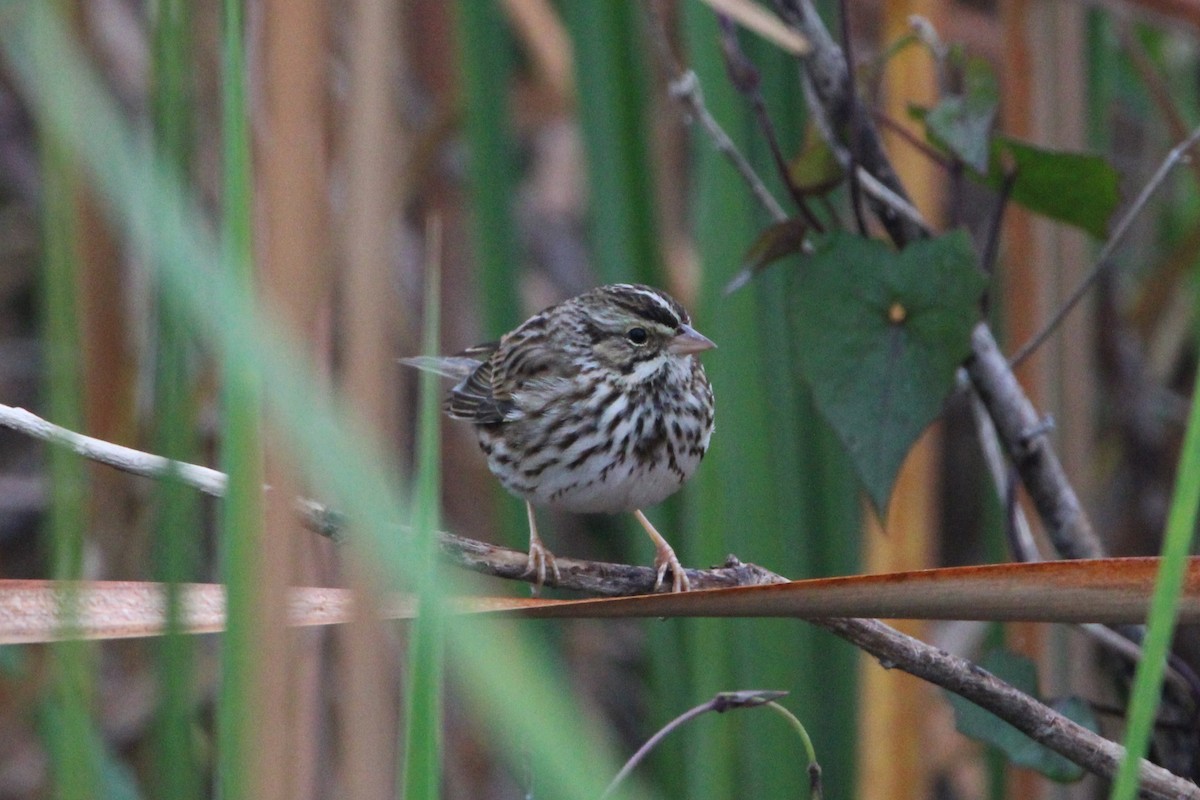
(597, 404)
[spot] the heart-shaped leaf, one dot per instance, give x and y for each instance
(879, 335)
(973, 721)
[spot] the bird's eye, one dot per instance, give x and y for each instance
(637, 335)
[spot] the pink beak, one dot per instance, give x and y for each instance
(690, 341)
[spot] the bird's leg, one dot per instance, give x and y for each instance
(664, 559)
(539, 556)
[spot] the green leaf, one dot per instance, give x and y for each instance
(816, 170)
(986, 727)
(879, 335)
(962, 123)
(1078, 189)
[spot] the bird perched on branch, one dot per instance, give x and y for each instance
(597, 404)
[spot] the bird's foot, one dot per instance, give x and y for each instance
(664, 559)
(539, 562)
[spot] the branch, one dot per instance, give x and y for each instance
(1181, 679)
(593, 577)
(1037, 721)
(892, 648)
(1027, 441)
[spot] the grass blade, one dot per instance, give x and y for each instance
(241, 451)
(1164, 606)
(68, 705)
(176, 511)
(423, 750)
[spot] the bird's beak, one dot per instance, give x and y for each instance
(689, 341)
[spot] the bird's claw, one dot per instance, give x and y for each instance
(666, 560)
(536, 565)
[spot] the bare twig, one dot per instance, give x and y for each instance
(747, 80)
(1041, 723)
(593, 577)
(1028, 444)
(991, 246)
(725, 701)
(912, 141)
(897, 204)
(685, 86)
(126, 459)
(1178, 155)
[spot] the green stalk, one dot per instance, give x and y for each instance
(241, 450)
(774, 471)
(176, 513)
(423, 749)
(611, 74)
(1164, 607)
(817, 491)
(67, 717)
(485, 62)
(731, 497)
(485, 58)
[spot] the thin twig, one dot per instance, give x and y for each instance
(880, 192)
(746, 79)
(725, 701)
(853, 124)
(687, 88)
(991, 246)
(915, 143)
(209, 481)
(684, 86)
(593, 577)
(1178, 155)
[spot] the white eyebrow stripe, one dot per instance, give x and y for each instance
(657, 298)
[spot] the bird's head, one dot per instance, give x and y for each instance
(637, 330)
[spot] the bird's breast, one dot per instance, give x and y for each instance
(602, 447)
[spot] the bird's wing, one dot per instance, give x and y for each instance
(475, 397)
